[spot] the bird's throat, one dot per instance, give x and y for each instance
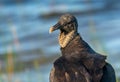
(64, 39)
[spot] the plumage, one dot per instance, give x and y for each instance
(79, 62)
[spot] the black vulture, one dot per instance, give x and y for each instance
(79, 62)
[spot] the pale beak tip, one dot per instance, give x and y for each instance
(51, 30)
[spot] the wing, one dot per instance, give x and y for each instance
(78, 74)
(108, 74)
(51, 78)
(64, 71)
(57, 73)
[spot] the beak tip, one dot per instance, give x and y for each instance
(51, 30)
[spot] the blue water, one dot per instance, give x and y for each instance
(23, 29)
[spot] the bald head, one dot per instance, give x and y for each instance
(66, 23)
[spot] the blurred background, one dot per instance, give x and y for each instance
(27, 50)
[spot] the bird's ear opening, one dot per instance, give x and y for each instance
(55, 27)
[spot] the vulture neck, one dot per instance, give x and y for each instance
(64, 39)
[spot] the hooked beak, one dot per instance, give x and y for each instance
(55, 27)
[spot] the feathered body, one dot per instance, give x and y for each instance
(79, 63)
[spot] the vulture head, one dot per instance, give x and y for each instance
(67, 25)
